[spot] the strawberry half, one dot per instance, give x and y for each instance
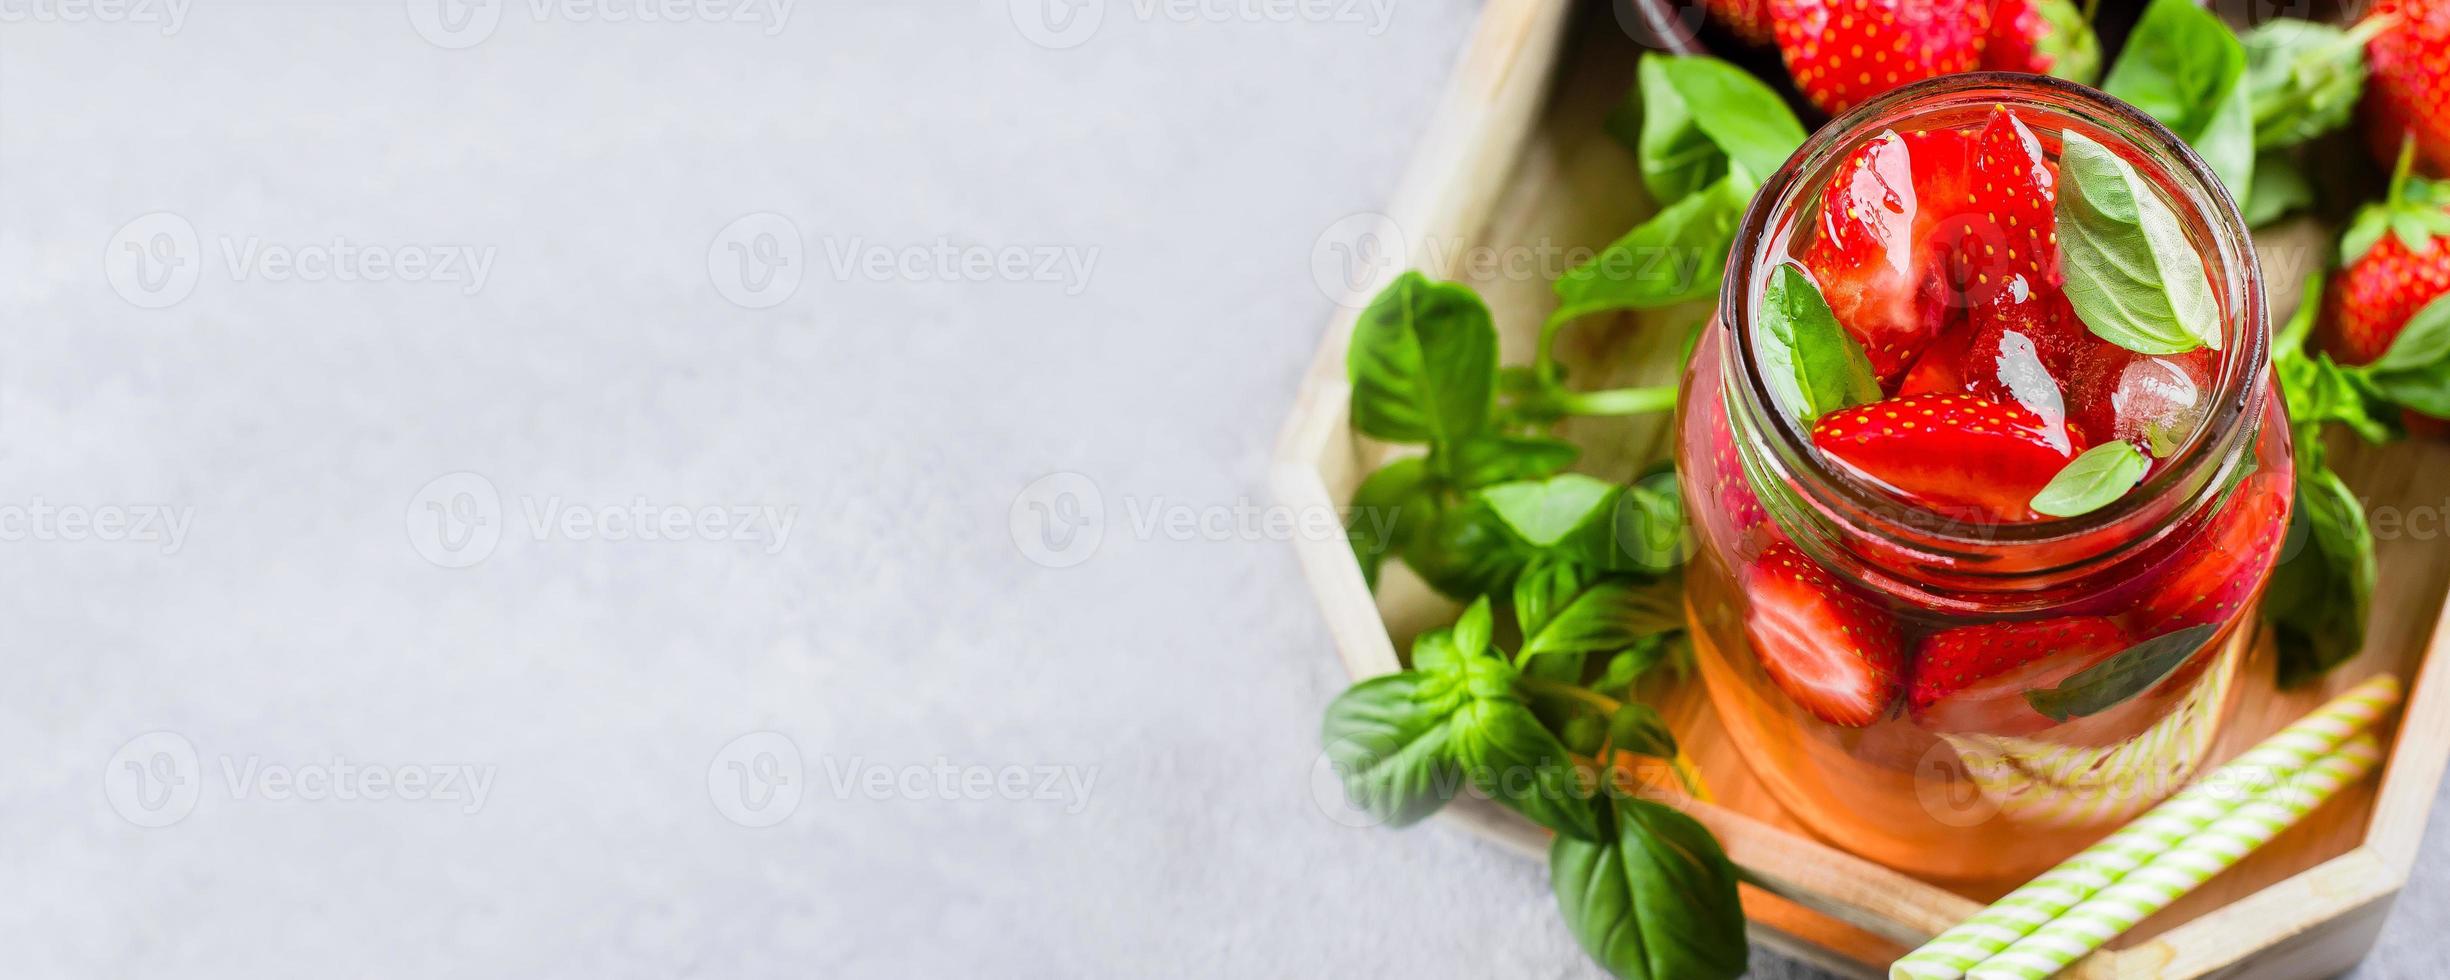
(1974, 678)
(2219, 572)
(2407, 93)
(1871, 255)
(1833, 652)
(1954, 454)
(2004, 226)
(1842, 52)
(2043, 37)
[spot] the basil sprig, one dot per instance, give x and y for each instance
(1424, 371)
(1813, 365)
(2093, 479)
(2132, 275)
(1646, 890)
(1705, 134)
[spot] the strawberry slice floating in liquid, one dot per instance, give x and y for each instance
(1835, 653)
(2220, 572)
(1953, 454)
(2004, 225)
(1974, 678)
(1871, 256)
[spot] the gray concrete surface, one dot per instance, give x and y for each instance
(519, 489)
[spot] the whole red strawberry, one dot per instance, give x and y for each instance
(1834, 653)
(1842, 52)
(2043, 37)
(2394, 260)
(1953, 454)
(1748, 20)
(2408, 92)
(1974, 678)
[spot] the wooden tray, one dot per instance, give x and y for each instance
(1515, 161)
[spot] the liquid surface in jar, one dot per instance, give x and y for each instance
(1938, 251)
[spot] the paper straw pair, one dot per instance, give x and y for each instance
(2076, 907)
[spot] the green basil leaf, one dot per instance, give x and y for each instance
(2132, 275)
(1475, 628)
(1387, 507)
(1611, 615)
(2280, 187)
(1464, 551)
(1645, 532)
(2415, 370)
(1516, 761)
(1679, 254)
(1390, 748)
(1423, 363)
(1486, 459)
(2093, 479)
(2185, 68)
(2303, 79)
(2290, 340)
(1435, 651)
(1543, 512)
(1676, 156)
(2112, 682)
(1627, 667)
(1637, 728)
(2322, 589)
(1546, 586)
(1809, 359)
(1698, 113)
(1655, 901)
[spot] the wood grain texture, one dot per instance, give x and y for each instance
(1517, 167)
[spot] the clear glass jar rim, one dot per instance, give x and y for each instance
(2237, 399)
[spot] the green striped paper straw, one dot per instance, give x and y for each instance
(1955, 951)
(2162, 880)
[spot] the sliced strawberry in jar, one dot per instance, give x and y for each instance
(1974, 678)
(2213, 579)
(2004, 224)
(1833, 652)
(1871, 255)
(2024, 344)
(1956, 454)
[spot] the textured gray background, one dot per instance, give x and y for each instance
(302, 426)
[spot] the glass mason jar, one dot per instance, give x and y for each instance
(1978, 783)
